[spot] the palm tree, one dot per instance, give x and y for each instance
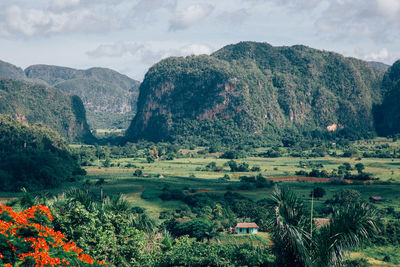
(295, 246)
(289, 226)
(78, 195)
(348, 227)
(87, 185)
(100, 182)
(118, 205)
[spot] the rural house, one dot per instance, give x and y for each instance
(246, 228)
(375, 199)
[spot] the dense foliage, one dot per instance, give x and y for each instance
(38, 103)
(34, 157)
(297, 243)
(27, 239)
(388, 114)
(256, 91)
(116, 232)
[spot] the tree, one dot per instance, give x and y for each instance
(348, 227)
(346, 197)
(100, 183)
(233, 165)
(318, 192)
(296, 245)
(87, 185)
(211, 166)
(359, 167)
(347, 166)
(150, 159)
(138, 173)
(199, 228)
(28, 239)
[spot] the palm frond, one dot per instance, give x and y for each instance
(117, 204)
(348, 227)
(288, 225)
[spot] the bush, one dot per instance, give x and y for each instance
(255, 169)
(174, 194)
(318, 192)
(232, 154)
(138, 173)
(26, 239)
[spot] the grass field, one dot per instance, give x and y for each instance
(191, 173)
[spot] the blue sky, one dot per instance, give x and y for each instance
(131, 35)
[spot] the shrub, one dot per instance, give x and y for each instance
(138, 173)
(27, 239)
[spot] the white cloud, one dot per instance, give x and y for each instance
(59, 5)
(236, 17)
(195, 49)
(29, 22)
(190, 16)
(390, 8)
(382, 55)
(147, 52)
(118, 49)
(144, 6)
(377, 20)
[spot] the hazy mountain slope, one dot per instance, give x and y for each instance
(379, 66)
(8, 70)
(255, 89)
(100, 89)
(36, 103)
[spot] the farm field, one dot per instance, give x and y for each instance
(191, 174)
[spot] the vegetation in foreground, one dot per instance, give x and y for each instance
(27, 239)
(115, 231)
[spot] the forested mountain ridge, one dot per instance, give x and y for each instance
(388, 114)
(38, 103)
(100, 89)
(33, 156)
(256, 89)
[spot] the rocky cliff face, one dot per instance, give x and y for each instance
(256, 89)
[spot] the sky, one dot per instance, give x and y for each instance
(130, 36)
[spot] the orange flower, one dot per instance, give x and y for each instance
(43, 243)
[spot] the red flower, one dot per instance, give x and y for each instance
(45, 242)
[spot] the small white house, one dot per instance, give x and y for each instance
(246, 228)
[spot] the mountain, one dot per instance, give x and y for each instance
(8, 70)
(382, 67)
(388, 114)
(33, 156)
(38, 103)
(255, 90)
(101, 90)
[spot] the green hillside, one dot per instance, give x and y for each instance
(101, 90)
(388, 114)
(33, 156)
(255, 89)
(36, 103)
